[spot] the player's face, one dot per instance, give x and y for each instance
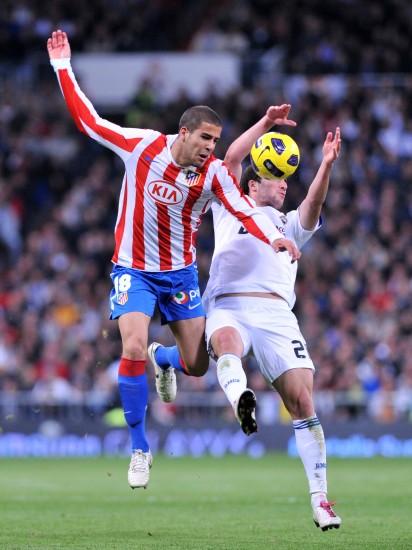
(197, 146)
(271, 193)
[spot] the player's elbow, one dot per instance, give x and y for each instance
(232, 160)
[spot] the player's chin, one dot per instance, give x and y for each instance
(200, 162)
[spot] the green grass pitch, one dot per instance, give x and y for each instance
(233, 502)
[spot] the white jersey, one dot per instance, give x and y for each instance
(241, 263)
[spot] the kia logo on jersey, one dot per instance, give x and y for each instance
(165, 192)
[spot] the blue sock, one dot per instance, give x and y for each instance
(134, 394)
(169, 356)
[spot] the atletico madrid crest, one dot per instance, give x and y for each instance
(122, 298)
(192, 178)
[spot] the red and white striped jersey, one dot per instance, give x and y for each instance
(161, 203)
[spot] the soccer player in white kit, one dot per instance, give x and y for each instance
(249, 299)
(169, 182)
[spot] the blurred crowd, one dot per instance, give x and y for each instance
(59, 190)
(314, 36)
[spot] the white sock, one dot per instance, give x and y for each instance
(231, 376)
(310, 443)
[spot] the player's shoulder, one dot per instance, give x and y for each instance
(170, 138)
(217, 168)
(271, 212)
(214, 164)
(144, 135)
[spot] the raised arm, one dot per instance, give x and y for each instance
(58, 45)
(240, 148)
(309, 210)
(120, 140)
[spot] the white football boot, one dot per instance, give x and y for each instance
(140, 464)
(166, 386)
(324, 517)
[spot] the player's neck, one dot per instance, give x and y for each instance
(177, 153)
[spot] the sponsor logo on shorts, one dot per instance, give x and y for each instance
(122, 298)
(184, 297)
(320, 465)
(180, 298)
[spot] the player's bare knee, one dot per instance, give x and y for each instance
(134, 350)
(304, 406)
(299, 404)
(225, 340)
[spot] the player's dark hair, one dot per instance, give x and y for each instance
(248, 175)
(193, 117)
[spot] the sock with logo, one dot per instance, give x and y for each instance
(134, 395)
(310, 443)
(231, 376)
(170, 357)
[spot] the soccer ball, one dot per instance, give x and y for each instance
(275, 156)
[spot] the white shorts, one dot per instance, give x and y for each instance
(269, 331)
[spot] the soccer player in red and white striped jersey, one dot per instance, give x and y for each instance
(169, 183)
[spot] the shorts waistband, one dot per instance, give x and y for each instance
(249, 302)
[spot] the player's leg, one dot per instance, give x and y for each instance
(295, 388)
(282, 355)
(188, 356)
(228, 348)
(191, 345)
(133, 391)
(181, 307)
(228, 342)
(132, 302)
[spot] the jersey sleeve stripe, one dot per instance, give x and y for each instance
(249, 224)
(86, 118)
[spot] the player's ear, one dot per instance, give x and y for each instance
(183, 133)
(253, 185)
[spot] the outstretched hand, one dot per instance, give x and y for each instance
(280, 245)
(58, 45)
(331, 147)
(278, 115)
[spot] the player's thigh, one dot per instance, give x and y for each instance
(190, 339)
(132, 291)
(279, 346)
(222, 318)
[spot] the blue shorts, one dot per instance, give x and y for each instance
(176, 293)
